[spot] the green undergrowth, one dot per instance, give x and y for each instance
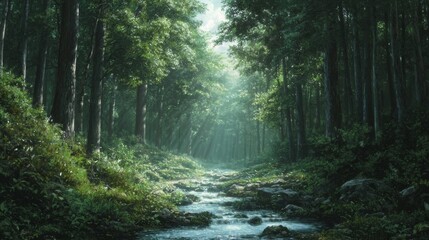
(399, 159)
(49, 189)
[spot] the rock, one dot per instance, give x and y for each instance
(254, 221)
(368, 191)
(408, 192)
(277, 232)
(188, 200)
(414, 198)
(290, 208)
(176, 219)
(235, 190)
(363, 190)
(240, 215)
(268, 192)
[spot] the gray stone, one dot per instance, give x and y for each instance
(255, 221)
(291, 208)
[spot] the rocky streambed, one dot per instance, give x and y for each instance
(233, 213)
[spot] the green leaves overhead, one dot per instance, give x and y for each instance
(148, 38)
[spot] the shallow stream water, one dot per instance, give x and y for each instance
(227, 224)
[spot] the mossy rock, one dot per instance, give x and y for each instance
(254, 221)
(277, 232)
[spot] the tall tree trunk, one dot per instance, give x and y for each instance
(368, 112)
(41, 59)
(357, 68)
(396, 61)
(160, 108)
(64, 100)
(347, 73)
(301, 138)
(6, 7)
(80, 93)
(288, 115)
(24, 39)
(94, 127)
(393, 110)
(140, 128)
(375, 84)
(333, 106)
(258, 137)
(420, 85)
(112, 106)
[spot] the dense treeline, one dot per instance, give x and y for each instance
(356, 62)
(109, 69)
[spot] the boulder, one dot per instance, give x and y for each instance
(413, 198)
(235, 190)
(369, 191)
(363, 190)
(291, 208)
(279, 231)
(254, 221)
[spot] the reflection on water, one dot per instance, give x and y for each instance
(225, 226)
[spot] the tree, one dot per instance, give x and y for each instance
(6, 6)
(94, 129)
(41, 59)
(64, 100)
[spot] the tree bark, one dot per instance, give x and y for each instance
(368, 112)
(24, 39)
(288, 115)
(112, 106)
(94, 127)
(301, 136)
(396, 61)
(140, 128)
(347, 73)
(392, 99)
(41, 59)
(420, 84)
(64, 100)
(375, 84)
(357, 68)
(80, 93)
(6, 6)
(333, 106)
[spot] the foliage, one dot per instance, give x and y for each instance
(51, 190)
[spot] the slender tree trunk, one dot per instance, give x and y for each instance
(94, 127)
(393, 110)
(140, 128)
(301, 138)
(80, 93)
(24, 39)
(357, 68)
(3, 33)
(64, 100)
(368, 112)
(347, 73)
(258, 137)
(333, 106)
(420, 85)
(112, 106)
(292, 154)
(397, 66)
(41, 59)
(375, 84)
(159, 127)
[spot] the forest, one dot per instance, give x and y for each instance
(214, 119)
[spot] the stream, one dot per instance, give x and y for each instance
(229, 223)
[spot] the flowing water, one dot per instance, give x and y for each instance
(227, 224)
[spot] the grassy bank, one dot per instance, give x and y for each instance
(50, 189)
